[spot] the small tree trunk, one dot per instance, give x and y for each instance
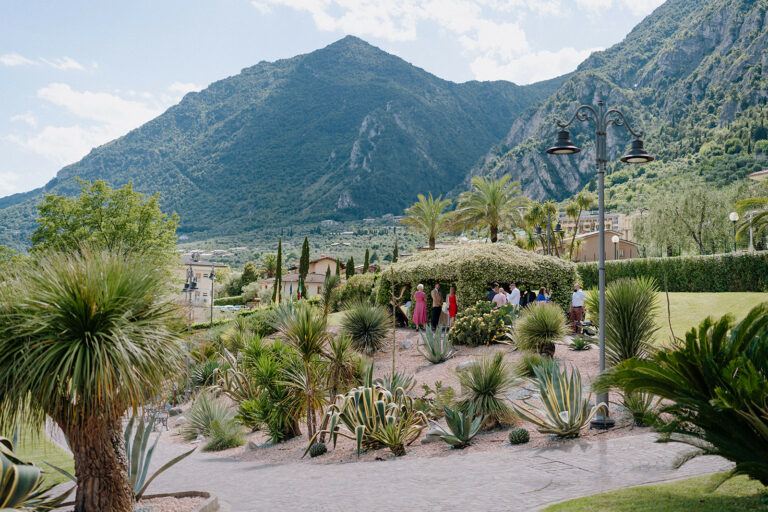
(494, 234)
(431, 243)
(101, 467)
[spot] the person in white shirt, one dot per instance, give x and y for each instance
(500, 299)
(513, 297)
(577, 308)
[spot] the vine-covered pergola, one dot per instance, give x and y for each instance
(473, 267)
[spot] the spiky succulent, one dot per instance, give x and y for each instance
(317, 449)
(519, 436)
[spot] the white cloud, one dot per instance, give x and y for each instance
(99, 106)
(26, 118)
(530, 67)
(63, 63)
(8, 183)
(183, 88)
(262, 7)
(14, 59)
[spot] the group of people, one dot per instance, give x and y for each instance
(497, 295)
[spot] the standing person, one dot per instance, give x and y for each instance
(452, 306)
(543, 296)
(491, 294)
(500, 299)
(420, 309)
(437, 305)
(577, 308)
(513, 297)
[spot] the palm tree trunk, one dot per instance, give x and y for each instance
(431, 243)
(101, 466)
(573, 238)
(310, 411)
(494, 234)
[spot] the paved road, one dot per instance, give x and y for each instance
(503, 480)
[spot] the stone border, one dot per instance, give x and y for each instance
(211, 503)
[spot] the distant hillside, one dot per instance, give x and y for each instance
(345, 132)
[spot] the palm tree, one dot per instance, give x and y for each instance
(305, 329)
(491, 204)
(584, 201)
(428, 215)
(757, 220)
(83, 337)
(536, 216)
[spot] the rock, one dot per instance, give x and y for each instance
(179, 421)
(250, 446)
(406, 344)
(174, 411)
(432, 436)
(465, 365)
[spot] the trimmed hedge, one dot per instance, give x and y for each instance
(234, 300)
(738, 272)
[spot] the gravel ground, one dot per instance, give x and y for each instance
(169, 504)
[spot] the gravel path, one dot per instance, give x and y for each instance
(508, 479)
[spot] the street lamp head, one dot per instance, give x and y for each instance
(615, 239)
(558, 228)
(734, 217)
(563, 145)
(637, 154)
(538, 230)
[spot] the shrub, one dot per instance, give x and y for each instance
(525, 366)
(630, 307)
(580, 343)
(205, 374)
(641, 406)
(274, 407)
(234, 300)
(224, 434)
(519, 436)
(317, 449)
(433, 401)
(714, 384)
(435, 346)
(738, 272)
(462, 427)
(538, 327)
(484, 385)
(366, 325)
(201, 414)
(358, 288)
(248, 414)
(565, 410)
(479, 325)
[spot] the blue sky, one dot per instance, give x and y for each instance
(77, 74)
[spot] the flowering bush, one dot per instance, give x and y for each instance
(481, 324)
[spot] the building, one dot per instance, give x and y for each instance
(588, 245)
(315, 277)
(197, 270)
(589, 222)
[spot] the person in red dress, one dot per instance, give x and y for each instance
(420, 307)
(452, 306)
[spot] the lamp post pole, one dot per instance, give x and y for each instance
(734, 217)
(601, 118)
(212, 275)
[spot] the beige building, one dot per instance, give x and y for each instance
(589, 222)
(198, 271)
(588, 245)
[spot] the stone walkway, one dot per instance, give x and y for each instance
(504, 480)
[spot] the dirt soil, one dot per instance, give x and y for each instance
(412, 362)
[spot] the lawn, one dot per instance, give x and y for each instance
(689, 309)
(738, 494)
(36, 448)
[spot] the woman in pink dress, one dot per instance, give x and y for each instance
(420, 307)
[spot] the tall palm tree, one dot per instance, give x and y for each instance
(584, 201)
(490, 204)
(428, 216)
(536, 216)
(305, 329)
(83, 338)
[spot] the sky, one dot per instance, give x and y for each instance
(77, 74)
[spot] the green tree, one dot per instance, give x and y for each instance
(250, 274)
(304, 266)
(269, 264)
(120, 220)
(278, 271)
(9, 259)
(84, 337)
(327, 271)
(366, 261)
(350, 267)
(395, 252)
(338, 267)
(584, 201)
(428, 216)
(490, 204)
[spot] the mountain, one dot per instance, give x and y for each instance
(693, 75)
(345, 132)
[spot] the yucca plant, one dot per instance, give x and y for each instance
(224, 434)
(565, 409)
(21, 483)
(201, 414)
(642, 406)
(392, 382)
(483, 386)
(435, 345)
(205, 374)
(714, 384)
(524, 367)
(539, 327)
(401, 427)
(462, 427)
(366, 325)
(630, 309)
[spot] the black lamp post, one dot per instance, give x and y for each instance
(189, 287)
(615, 240)
(212, 275)
(601, 118)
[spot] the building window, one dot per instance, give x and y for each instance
(205, 275)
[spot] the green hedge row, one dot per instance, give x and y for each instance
(234, 300)
(738, 272)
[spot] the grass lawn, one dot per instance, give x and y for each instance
(689, 309)
(694, 494)
(36, 448)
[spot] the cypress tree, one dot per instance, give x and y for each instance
(394, 252)
(304, 267)
(366, 261)
(350, 267)
(338, 267)
(278, 271)
(327, 271)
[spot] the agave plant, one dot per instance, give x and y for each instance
(462, 427)
(484, 385)
(21, 483)
(435, 345)
(539, 327)
(401, 427)
(579, 343)
(566, 410)
(642, 406)
(714, 384)
(395, 381)
(366, 325)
